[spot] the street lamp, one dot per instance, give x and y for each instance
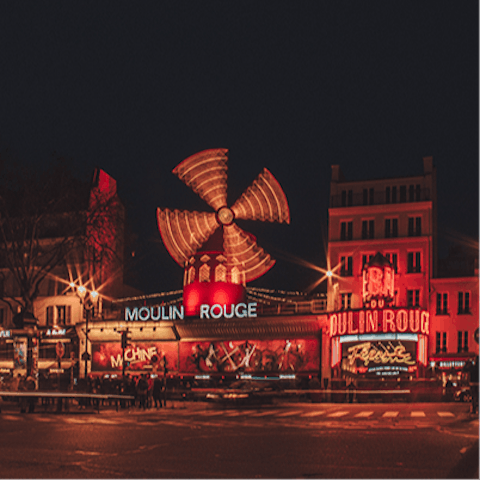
(88, 299)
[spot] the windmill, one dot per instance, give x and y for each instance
(218, 256)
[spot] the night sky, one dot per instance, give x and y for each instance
(136, 87)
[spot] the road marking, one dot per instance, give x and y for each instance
(364, 414)
(289, 413)
(11, 417)
(390, 414)
(417, 414)
(445, 414)
(264, 414)
(213, 413)
(313, 414)
(338, 414)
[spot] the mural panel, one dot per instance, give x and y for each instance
(107, 357)
(290, 356)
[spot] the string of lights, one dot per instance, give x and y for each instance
(147, 297)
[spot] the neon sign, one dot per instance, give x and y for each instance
(241, 310)
(358, 322)
(172, 312)
(378, 353)
(153, 313)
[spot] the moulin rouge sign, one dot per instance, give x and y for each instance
(388, 320)
(156, 313)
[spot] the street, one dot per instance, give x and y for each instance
(199, 440)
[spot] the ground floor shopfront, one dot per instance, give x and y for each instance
(213, 351)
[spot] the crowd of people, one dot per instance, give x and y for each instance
(147, 392)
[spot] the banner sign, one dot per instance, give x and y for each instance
(379, 357)
(139, 357)
(388, 320)
(259, 356)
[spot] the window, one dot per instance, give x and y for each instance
(221, 273)
(204, 273)
(347, 198)
(413, 298)
(346, 299)
(366, 259)
(391, 195)
(347, 267)
(391, 227)
(64, 314)
(51, 287)
(50, 315)
(403, 194)
(415, 226)
(346, 230)
(2, 316)
(368, 229)
(441, 342)
(411, 193)
(393, 259)
(191, 275)
(442, 303)
(368, 196)
(462, 344)
(413, 262)
(463, 302)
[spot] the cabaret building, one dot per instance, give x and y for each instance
(386, 311)
(389, 311)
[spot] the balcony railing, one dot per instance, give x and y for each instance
(378, 198)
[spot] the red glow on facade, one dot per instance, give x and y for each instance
(210, 293)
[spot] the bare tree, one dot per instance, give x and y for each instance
(49, 220)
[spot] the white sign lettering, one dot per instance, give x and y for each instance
(172, 312)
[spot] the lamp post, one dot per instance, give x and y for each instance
(88, 299)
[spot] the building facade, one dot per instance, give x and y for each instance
(432, 322)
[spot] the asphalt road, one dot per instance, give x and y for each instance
(196, 440)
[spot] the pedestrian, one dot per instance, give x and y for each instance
(150, 392)
(142, 389)
(157, 392)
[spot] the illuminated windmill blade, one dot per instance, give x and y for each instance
(263, 200)
(183, 232)
(206, 174)
(243, 252)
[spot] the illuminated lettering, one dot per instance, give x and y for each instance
(143, 314)
(243, 312)
(402, 320)
(219, 313)
(370, 353)
(414, 320)
(350, 324)
(252, 310)
(425, 322)
(164, 317)
(177, 313)
(333, 325)
(372, 321)
(388, 320)
(155, 317)
(204, 311)
(131, 315)
(361, 322)
(116, 362)
(232, 311)
(342, 323)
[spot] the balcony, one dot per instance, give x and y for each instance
(378, 198)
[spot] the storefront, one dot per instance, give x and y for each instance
(214, 348)
(375, 343)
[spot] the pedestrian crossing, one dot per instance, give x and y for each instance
(285, 414)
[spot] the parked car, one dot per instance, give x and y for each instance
(245, 392)
(463, 394)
